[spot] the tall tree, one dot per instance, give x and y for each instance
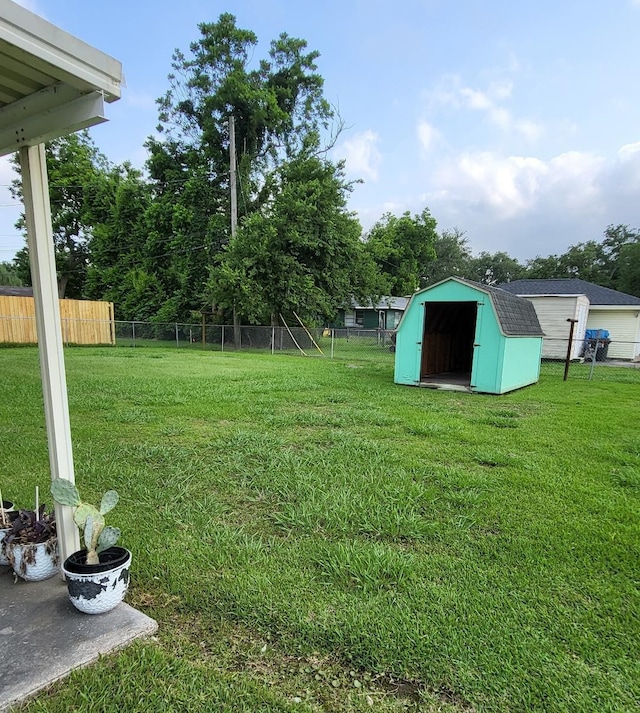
(628, 278)
(119, 253)
(301, 253)
(493, 269)
(77, 172)
(403, 248)
(452, 257)
(9, 275)
(601, 262)
(279, 112)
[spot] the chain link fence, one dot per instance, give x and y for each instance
(333, 343)
(590, 359)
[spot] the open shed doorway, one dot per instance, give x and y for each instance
(447, 343)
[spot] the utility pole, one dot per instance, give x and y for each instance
(232, 175)
(234, 212)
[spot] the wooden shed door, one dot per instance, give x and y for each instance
(447, 342)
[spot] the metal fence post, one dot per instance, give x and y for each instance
(273, 340)
(177, 338)
(222, 340)
(333, 336)
(593, 359)
(133, 332)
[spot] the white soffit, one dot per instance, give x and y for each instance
(51, 83)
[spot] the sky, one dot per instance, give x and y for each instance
(515, 122)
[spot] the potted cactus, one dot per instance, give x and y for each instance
(98, 575)
(30, 545)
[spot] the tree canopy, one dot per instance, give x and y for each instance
(158, 242)
(300, 254)
(77, 174)
(402, 248)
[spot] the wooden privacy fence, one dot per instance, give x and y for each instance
(82, 321)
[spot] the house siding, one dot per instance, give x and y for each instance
(623, 327)
(553, 312)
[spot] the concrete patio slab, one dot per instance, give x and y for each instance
(52, 637)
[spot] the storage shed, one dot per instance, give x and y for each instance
(459, 334)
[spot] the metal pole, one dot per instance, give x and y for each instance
(133, 332)
(333, 336)
(177, 338)
(222, 339)
(593, 359)
(204, 332)
(37, 211)
(568, 359)
(273, 340)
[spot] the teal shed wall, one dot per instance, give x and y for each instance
(500, 363)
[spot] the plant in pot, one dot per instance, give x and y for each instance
(31, 544)
(98, 575)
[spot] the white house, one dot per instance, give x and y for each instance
(594, 307)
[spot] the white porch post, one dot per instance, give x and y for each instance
(35, 187)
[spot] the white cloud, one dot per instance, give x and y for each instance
(427, 135)
(525, 205)
(362, 155)
(628, 151)
(506, 184)
(490, 102)
(513, 185)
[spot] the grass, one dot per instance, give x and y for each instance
(312, 537)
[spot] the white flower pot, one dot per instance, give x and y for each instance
(95, 589)
(35, 562)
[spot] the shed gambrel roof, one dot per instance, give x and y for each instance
(517, 317)
(596, 294)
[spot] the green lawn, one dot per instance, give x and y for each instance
(312, 537)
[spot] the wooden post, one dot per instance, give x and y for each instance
(232, 175)
(568, 359)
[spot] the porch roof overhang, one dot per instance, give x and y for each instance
(51, 83)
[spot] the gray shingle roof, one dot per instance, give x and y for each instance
(517, 316)
(397, 303)
(9, 291)
(597, 295)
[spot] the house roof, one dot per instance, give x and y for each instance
(399, 303)
(10, 291)
(517, 316)
(597, 295)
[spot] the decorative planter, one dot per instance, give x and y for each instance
(7, 506)
(34, 562)
(97, 588)
(4, 560)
